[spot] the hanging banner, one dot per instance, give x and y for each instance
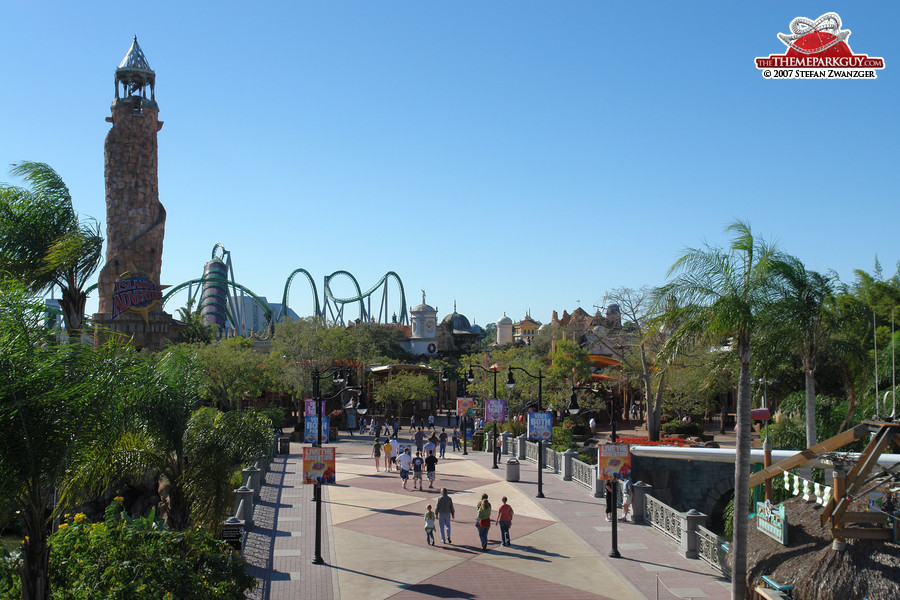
(615, 459)
(540, 426)
(495, 411)
(319, 465)
(465, 407)
(311, 426)
(310, 407)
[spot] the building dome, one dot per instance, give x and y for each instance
(504, 320)
(422, 308)
(457, 322)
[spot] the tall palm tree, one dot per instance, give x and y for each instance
(719, 294)
(801, 315)
(44, 244)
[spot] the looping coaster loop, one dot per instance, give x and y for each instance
(801, 26)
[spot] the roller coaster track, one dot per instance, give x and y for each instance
(287, 288)
(223, 282)
(364, 299)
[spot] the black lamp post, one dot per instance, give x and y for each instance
(471, 378)
(445, 378)
(511, 383)
(338, 379)
(573, 403)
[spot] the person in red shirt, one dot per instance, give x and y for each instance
(504, 520)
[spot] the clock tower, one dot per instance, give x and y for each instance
(423, 325)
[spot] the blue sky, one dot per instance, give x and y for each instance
(508, 156)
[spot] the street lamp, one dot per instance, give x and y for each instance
(511, 383)
(573, 410)
(471, 378)
(445, 378)
(338, 379)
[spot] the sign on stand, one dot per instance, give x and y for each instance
(772, 521)
(465, 407)
(495, 411)
(319, 465)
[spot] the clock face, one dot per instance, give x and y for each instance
(429, 325)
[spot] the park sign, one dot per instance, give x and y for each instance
(309, 408)
(319, 465)
(772, 521)
(135, 292)
(540, 426)
(495, 411)
(614, 460)
(311, 428)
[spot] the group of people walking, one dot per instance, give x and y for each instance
(444, 512)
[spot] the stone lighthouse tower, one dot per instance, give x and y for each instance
(135, 220)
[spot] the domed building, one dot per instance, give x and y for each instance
(423, 338)
(504, 331)
(456, 334)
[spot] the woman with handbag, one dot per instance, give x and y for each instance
(483, 520)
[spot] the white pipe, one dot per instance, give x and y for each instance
(727, 455)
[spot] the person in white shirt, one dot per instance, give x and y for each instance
(405, 461)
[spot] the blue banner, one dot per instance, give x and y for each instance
(540, 426)
(310, 426)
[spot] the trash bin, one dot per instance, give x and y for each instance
(477, 442)
(284, 444)
(512, 470)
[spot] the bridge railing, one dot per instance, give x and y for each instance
(680, 526)
(584, 474)
(713, 550)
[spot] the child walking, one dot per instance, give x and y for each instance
(429, 525)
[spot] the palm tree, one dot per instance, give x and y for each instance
(801, 315)
(719, 294)
(44, 244)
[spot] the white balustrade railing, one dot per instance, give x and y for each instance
(583, 473)
(531, 452)
(712, 549)
(663, 517)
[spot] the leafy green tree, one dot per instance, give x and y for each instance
(55, 401)
(195, 331)
(800, 314)
(719, 295)
(403, 388)
(44, 244)
(233, 370)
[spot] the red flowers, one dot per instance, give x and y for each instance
(642, 441)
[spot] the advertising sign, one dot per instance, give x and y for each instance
(135, 292)
(465, 407)
(615, 459)
(310, 426)
(310, 407)
(540, 426)
(495, 411)
(318, 465)
(772, 521)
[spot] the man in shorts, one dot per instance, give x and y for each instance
(404, 460)
(417, 463)
(430, 462)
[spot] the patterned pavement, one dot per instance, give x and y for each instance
(373, 539)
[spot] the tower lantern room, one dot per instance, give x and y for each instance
(133, 77)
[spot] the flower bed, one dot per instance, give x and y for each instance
(642, 441)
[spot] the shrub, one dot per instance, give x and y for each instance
(139, 558)
(679, 428)
(275, 414)
(563, 440)
(516, 428)
(590, 459)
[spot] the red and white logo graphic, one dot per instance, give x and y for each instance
(818, 49)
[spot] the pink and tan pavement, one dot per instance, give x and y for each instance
(373, 539)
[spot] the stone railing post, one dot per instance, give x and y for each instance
(522, 440)
(504, 442)
(243, 505)
(599, 484)
(568, 455)
(639, 493)
(252, 479)
(489, 441)
(689, 542)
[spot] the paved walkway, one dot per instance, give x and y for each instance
(374, 547)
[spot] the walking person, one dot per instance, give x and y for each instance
(445, 512)
(431, 422)
(419, 438)
(442, 440)
(388, 452)
(404, 460)
(395, 451)
(417, 463)
(626, 497)
(504, 521)
(483, 520)
(430, 471)
(610, 495)
(456, 445)
(376, 452)
(429, 525)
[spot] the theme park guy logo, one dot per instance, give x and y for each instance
(818, 49)
(135, 292)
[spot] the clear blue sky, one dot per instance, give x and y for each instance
(509, 156)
